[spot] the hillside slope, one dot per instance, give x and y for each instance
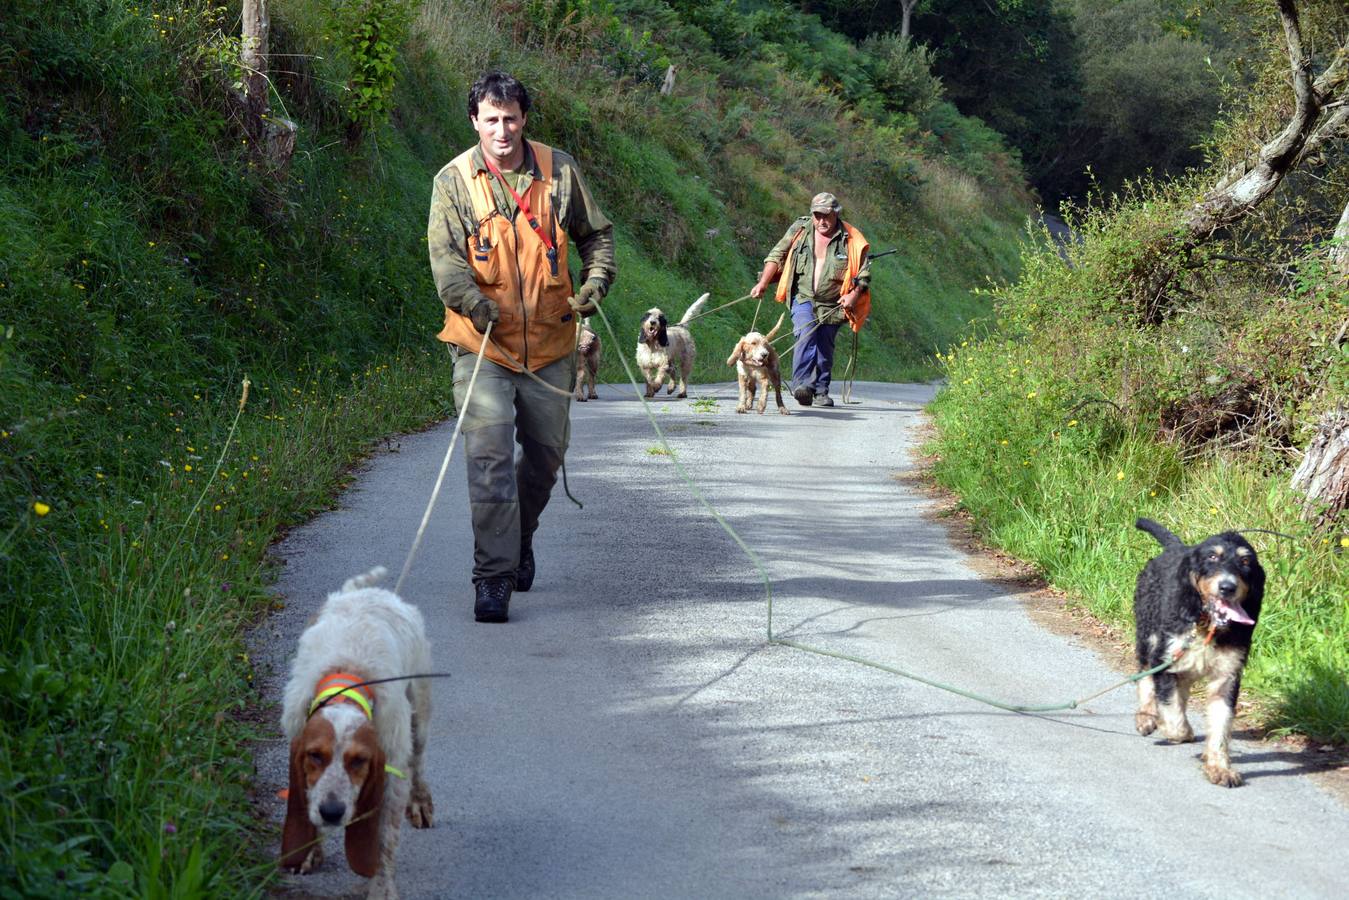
(149, 265)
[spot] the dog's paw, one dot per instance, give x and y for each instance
(421, 809)
(1182, 735)
(740, 409)
(784, 410)
(382, 887)
(580, 398)
(1223, 776)
(1145, 722)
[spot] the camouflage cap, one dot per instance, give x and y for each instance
(825, 202)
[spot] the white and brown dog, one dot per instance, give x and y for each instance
(667, 351)
(356, 751)
(756, 368)
(587, 363)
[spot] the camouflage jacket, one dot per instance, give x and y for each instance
(824, 296)
(452, 221)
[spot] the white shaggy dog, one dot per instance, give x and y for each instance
(346, 738)
(667, 351)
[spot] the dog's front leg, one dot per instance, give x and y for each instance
(1145, 720)
(1171, 697)
(382, 885)
(420, 808)
(746, 393)
(314, 857)
(761, 388)
(1222, 704)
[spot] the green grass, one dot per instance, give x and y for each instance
(1060, 485)
(148, 265)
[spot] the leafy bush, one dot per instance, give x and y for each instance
(902, 74)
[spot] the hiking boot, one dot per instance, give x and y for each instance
(823, 400)
(804, 395)
(493, 597)
(524, 573)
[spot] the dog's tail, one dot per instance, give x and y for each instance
(693, 310)
(1160, 532)
(774, 332)
(373, 577)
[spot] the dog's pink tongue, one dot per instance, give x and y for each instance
(1236, 614)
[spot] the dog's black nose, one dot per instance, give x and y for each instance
(332, 809)
(1227, 587)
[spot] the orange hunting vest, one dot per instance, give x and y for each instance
(510, 263)
(857, 251)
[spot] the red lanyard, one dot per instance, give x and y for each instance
(524, 208)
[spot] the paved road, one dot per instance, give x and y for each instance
(628, 733)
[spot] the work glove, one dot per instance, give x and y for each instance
(588, 298)
(483, 313)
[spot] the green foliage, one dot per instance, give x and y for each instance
(1098, 399)
(146, 267)
(1012, 63)
(1152, 85)
(902, 74)
(369, 34)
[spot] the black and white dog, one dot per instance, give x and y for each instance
(1200, 603)
(666, 351)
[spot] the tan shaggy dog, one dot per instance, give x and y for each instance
(587, 363)
(756, 367)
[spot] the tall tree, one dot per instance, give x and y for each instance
(1012, 63)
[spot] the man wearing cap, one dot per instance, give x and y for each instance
(822, 270)
(503, 214)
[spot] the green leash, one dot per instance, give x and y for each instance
(768, 586)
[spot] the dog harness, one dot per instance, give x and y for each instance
(343, 687)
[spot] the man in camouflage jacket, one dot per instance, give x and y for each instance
(823, 272)
(503, 215)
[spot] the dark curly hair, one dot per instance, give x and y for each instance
(499, 88)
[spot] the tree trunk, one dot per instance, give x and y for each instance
(1246, 185)
(272, 138)
(253, 60)
(906, 14)
(1324, 473)
(1339, 253)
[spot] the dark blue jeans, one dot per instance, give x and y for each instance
(813, 361)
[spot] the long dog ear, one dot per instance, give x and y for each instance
(662, 334)
(738, 354)
(362, 835)
(774, 332)
(299, 834)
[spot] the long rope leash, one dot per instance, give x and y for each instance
(796, 645)
(445, 463)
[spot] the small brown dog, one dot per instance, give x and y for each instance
(587, 363)
(756, 367)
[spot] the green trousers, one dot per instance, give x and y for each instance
(507, 492)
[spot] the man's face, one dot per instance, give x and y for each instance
(825, 223)
(501, 129)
